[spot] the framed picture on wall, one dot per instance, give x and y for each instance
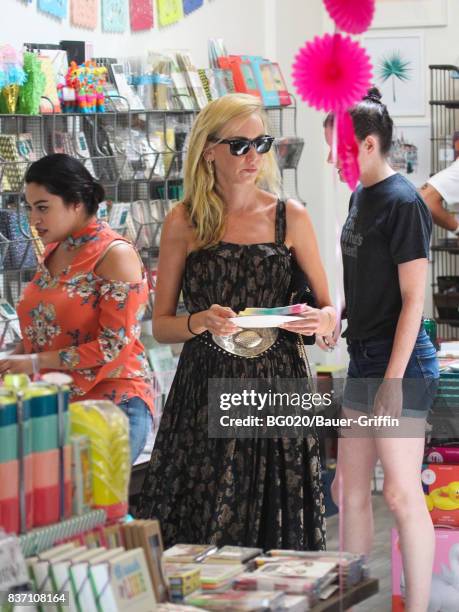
(399, 70)
(410, 14)
(410, 153)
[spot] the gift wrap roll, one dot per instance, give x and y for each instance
(15, 454)
(43, 400)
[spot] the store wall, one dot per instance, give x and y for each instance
(215, 19)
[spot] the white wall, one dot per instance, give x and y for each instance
(215, 19)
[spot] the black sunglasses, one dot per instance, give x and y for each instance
(241, 146)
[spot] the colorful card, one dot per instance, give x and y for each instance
(191, 5)
(83, 13)
(141, 12)
(169, 12)
(293, 309)
(57, 8)
(114, 15)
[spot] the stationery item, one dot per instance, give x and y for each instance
(82, 150)
(288, 151)
(292, 309)
(13, 569)
(8, 313)
(118, 215)
(237, 600)
(284, 96)
(15, 227)
(264, 78)
(185, 63)
(244, 78)
(149, 538)
(183, 579)
(12, 166)
(124, 89)
(81, 475)
(263, 321)
(26, 148)
(233, 554)
(224, 81)
(122, 583)
(189, 553)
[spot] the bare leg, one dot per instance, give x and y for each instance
(356, 461)
(402, 459)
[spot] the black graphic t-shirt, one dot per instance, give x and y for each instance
(388, 224)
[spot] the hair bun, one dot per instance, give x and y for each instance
(98, 192)
(373, 95)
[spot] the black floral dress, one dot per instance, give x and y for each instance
(250, 492)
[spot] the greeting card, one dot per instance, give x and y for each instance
(57, 8)
(169, 11)
(191, 5)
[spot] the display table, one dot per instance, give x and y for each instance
(360, 592)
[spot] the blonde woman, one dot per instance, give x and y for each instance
(227, 246)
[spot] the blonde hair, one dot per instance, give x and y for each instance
(204, 206)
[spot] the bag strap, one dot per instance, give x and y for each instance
(281, 222)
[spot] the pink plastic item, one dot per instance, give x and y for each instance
(348, 150)
(442, 454)
(332, 72)
(445, 578)
(351, 16)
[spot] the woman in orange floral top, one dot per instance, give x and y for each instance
(82, 311)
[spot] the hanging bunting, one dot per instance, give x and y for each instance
(169, 11)
(191, 5)
(83, 13)
(114, 15)
(56, 8)
(141, 12)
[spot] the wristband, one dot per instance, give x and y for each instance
(35, 364)
(189, 326)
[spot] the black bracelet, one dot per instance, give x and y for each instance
(188, 325)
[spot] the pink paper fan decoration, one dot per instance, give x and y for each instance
(331, 72)
(353, 16)
(348, 150)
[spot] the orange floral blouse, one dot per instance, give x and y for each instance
(94, 323)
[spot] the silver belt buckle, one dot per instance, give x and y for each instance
(248, 342)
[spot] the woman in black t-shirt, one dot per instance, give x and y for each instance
(393, 367)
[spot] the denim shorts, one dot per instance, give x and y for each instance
(367, 367)
(140, 424)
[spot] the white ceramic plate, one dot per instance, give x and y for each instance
(263, 320)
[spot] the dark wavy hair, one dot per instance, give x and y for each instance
(66, 177)
(370, 117)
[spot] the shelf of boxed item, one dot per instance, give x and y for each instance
(36, 541)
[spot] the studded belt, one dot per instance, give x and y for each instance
(247, 343)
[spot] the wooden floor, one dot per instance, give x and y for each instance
(380, 562)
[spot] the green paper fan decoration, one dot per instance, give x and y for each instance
(394, 67)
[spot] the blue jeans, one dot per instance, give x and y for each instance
(368, 364)
(140, 424)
